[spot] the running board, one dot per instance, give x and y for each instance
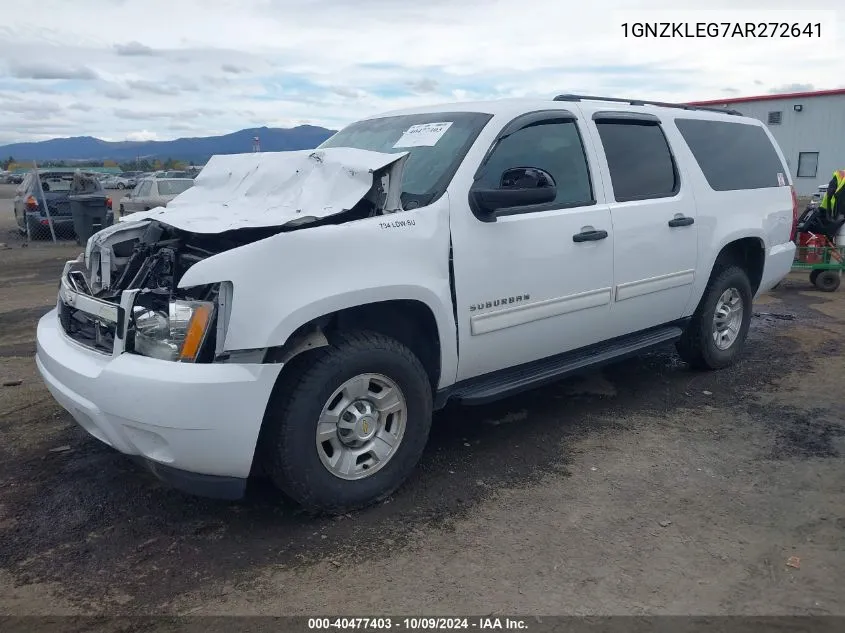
(508, 382)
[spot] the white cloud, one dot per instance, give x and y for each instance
(204, 67)
(143, 135)
(133, 49)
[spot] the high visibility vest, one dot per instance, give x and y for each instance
(828, 203)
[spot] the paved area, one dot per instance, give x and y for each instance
(645, 488)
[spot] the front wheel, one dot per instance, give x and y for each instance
(718, 329)
(348, 423)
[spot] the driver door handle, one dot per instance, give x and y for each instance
(589, 236)
(682, 221)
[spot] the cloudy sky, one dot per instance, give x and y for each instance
(156, 69)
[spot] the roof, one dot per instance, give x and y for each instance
(772, 97)
(513, 107)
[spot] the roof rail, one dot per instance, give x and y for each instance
(639, 102)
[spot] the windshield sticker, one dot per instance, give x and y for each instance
(422, 135)
(781, 179)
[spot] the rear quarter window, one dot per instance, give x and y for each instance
(732, 156)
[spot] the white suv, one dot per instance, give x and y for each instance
(303, 313)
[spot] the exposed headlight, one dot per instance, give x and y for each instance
(177, 335)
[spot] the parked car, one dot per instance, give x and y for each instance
(302, 313)
(153, 192)
(173, 174)
(29, 203)
(118, 182)
(15, 178)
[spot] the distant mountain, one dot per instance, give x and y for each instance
(197, 150)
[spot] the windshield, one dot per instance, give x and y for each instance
(173, 187)
(437, 143)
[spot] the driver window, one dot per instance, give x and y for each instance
(554, 147)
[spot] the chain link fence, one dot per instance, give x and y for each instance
(61, 206)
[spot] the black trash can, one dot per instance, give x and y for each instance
(88, 206)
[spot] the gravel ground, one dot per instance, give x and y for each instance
(641, 489)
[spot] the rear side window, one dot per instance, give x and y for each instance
(640, 162)
(732, 155)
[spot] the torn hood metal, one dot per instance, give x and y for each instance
(267, 189)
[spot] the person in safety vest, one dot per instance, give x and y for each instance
(831, 203)
(831, 211)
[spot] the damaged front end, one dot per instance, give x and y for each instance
(123, 294)
(125, 298)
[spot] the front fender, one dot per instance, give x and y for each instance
(284, 281)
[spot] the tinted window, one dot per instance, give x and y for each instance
(640, 162)
(554, 147)
(732, 155)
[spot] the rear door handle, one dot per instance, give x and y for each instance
(682, 221)
(589, 236)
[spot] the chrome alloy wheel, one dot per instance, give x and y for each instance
(361, 426)
(727, 320)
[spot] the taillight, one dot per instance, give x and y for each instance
(31, 203)
(108, 203)
(794, 211)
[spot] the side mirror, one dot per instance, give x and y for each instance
(518, 187)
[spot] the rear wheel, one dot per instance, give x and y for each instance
(348, 423)
(827, 280)
(120, 185)
(814, 274)
(718, 329)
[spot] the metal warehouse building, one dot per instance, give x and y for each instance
(808, 126)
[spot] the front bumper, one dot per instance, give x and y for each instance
(777, 265)
(195, 425)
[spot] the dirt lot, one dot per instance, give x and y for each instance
(645, 489)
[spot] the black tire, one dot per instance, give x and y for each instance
(288, 445)
(814, 274)
(120, 185)
(827, 280)
(697, 345)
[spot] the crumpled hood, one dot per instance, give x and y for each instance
(266, 189)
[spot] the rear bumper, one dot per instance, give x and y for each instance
(39, 221)
(778, 263)
(195, 426)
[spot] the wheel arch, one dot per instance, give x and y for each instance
(746, 251)
(411, 322)
(749, 253)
